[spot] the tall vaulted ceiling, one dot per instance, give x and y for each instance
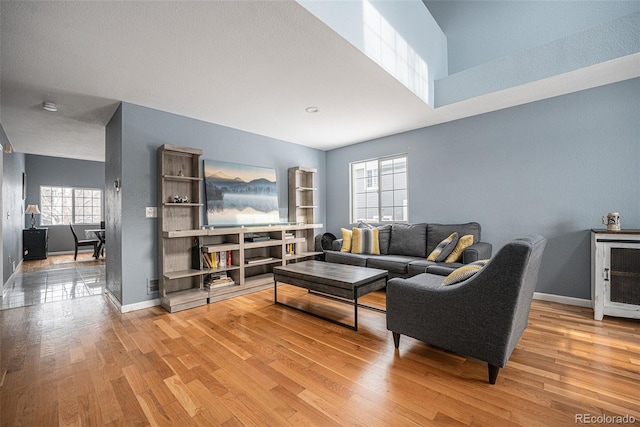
(256, 66)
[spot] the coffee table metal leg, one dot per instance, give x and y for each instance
(319, 316)
(355, 314)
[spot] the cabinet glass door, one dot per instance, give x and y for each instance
(624, 284)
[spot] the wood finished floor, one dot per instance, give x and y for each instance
(246, 361)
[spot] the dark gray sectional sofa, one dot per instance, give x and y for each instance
(404, 249)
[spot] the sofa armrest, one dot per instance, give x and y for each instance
(480, 250)
(336, 245)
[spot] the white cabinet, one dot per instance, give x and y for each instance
(615, 273)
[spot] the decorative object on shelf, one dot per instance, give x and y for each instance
(33, 210)
(240, 194)
(612, 221)
(179, 199)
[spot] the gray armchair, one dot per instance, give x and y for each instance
(482, 317)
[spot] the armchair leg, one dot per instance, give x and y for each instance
(493, 373)
(396, 339)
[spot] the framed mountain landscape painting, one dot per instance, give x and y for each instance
(240, 194)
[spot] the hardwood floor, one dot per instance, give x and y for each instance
(246, 361)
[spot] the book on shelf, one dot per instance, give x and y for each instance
(289, 249)
(206, 261)
(255, 237)
(217, 280)
(288, 235)
(258, 259)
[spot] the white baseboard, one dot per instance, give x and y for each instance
(131, 307)
(562, 299)
(140, 305)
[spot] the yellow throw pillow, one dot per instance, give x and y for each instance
(365, 241)
(463, 273)
(463, 243)
(444, 248)
(346, 240)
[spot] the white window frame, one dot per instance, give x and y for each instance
(49, 210)
(371, 189)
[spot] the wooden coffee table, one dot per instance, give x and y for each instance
(345, 283)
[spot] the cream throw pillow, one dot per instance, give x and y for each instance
(346, 240)
(463, 243)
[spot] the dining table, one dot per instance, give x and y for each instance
(98, 233)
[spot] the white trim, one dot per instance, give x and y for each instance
(140, 305)
(579, 302)
(131, 307)
(10, 277)
(111, 297)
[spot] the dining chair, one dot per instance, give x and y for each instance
(83, 242)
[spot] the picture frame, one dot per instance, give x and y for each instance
(24, 186)
(239, 194)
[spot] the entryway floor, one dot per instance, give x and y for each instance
(56, 279)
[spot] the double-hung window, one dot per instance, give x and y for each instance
(64, 205)
(379, 190)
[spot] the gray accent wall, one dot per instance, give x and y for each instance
(62, 172)
(113, 204)
(138, 132)
(12, 208)
(552, 167)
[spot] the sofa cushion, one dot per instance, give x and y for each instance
(346, 240)
(392, 263)
(384, 237)
(443, 269)
(365, 241)
(463, 273)
(463, 243)
(437, 232)
(363, 224)
(409, 240)
(346, 258)
(444, 248)
(419, 266)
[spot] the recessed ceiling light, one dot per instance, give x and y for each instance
(49, 106)
(312, 109)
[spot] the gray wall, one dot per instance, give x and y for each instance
(113, 203)
(482, 31)
(13, 165)
(142, 131)
(57, 171)
(553, 167)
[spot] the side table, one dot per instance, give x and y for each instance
(35, 243)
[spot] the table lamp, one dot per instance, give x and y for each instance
(32, 209)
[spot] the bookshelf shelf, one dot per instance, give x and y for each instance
(181, 178)
(182, 205)
(264, 244)
(181, 274)
(302, 194)
(180, 284)
(221, 247)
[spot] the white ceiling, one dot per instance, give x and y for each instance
(253, 66)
